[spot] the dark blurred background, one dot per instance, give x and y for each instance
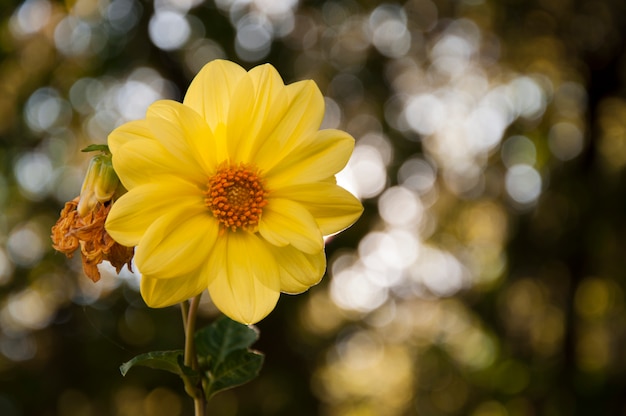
(486, 276)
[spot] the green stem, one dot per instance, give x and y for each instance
(184, 309)
(190, 329)
(190, 359)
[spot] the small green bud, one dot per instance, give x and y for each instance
(100, 184)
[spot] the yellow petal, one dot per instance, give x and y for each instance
(176, 243)
(246, 285)
(333, 208)
(307, 104)
(298, 124)
(133, 130)
(138, 158)
(287, 222)
(184, 133)
(136, 210)
(159, 293)
(298, 271)
(271, 103)
(259, 102)
(323, 157)
(211, 91)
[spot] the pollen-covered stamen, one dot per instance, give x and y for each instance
(236, 197)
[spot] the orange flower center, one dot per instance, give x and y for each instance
(236, 197)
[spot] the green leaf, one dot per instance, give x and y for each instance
(224, 355)
(238, 368)
(161, 360)
(97, 148)
(171, 361)
(223, 337)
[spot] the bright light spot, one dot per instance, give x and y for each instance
(417, 175)
(565, 141)
(518, 150)
(366, 369)
(386, 12)
(473, 348)
(108, 103)
(67, 182)
(499, 99)
(523, 183)
(254, 37)
(528, 98)
(30, 17)
(389, 32)
(163, 401)
(21, 348)
(360, 350)
(465, 179)
(182, 6)
(33, 172)
(451, 55)
(99, 124)
(400, 206)
(225, 4)
(131, 278)
(332, 115)
(342, 262)
(379, 141)
(138, 93)
(388, 251)
(395, 114)
(392, 39)
(134, 98)
(45, 110)
(276, 8)
(425, 113)
(596, 298)
(383, 278)
(351, 289)
(85, 94)
(169, 30)
(72, 36)
(485, 127)
(123, 15)
(439, 271)
(28, 310)
(25, 245)
(365, 176)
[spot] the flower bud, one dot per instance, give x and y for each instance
(99, 185)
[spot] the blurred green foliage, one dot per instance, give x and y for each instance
(485, 278)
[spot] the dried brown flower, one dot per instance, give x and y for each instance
(96, 245)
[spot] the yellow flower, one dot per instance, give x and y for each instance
(232, 190)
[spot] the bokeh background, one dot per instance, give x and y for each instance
(486, 276)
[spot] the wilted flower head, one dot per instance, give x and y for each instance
(231, 190)
(81, 223)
